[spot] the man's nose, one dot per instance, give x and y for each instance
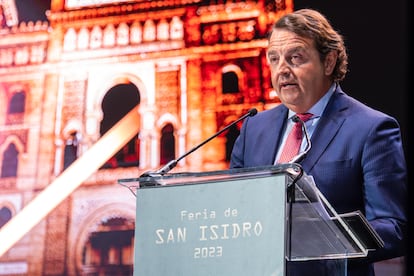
(283, 67)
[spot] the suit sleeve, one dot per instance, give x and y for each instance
(385, 190)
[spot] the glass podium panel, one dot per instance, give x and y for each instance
(315, 230)
(253, 221)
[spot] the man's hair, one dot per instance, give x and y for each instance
(312, 24)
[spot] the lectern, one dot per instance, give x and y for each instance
(252, 221)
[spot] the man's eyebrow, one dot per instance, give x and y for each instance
(289, 50)
(296, 49)
(271, 52)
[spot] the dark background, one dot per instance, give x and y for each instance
(378, 38)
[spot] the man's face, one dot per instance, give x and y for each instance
(298, 75)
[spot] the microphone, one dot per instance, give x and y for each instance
(171, 165)
(301, 155)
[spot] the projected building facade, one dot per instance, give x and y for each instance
(187, 67)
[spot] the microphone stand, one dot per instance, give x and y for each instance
(170, 165)
(291, 193)
(298, 158)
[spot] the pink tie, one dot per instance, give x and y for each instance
(294, 139)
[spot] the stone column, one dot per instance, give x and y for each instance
(194, 161)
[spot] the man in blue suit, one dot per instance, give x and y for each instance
(356, 158)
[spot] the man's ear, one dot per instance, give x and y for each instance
(330, 62)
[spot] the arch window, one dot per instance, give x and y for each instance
(163, 30)
(136, 33)
(96, 37)
(21, 56)
(149, 31)
(5, 215)
(122, 34)
(10, 161)
(15, 110)
(69, 42)
(230, 82)
(167, 150)
(176, 28)
(83, 38)
(71, 150)
(37, 53)
(109, 36)
(17, 103)
(231, 85)
(118, 101)
(6, 57)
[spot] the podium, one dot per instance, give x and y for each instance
(252, 221)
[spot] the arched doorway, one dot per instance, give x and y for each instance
(109, 249)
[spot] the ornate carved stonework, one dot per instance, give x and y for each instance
(168, 91)
(73, 101)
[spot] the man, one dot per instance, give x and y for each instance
(356, 158)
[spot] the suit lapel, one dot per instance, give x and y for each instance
(272, 135)
(328, 126)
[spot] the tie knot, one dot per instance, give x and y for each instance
(304, 116)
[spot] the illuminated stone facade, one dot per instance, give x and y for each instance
(190, 67)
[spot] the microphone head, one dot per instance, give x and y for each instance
(252, 112)
(296, 119)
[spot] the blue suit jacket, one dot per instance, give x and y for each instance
(356, 159)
